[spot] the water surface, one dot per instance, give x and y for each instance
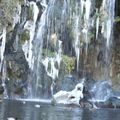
(40, 111)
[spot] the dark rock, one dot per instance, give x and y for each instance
(1, 90)
(11, 37)
(20, 87)
(24, 16)
(17, 65)
(102, 90)
(102, 104)
(69, 83)
(84, 103)
(88, 85)
(32, 0)
(114, 101)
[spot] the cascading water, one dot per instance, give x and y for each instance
(2, 62)
(107, 10)
(31, 25)
(2, 47)
(48, 40)
(110, 29)
(36, 53)
(102, 90)
(60, 35)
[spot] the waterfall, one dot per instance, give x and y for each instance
(60, 43)
(3, 62)
(107, 10)
(81, 27)
(2, 47)
(97, 26)
(47, 41)
(30, 25)
(35, 50)
(77, 42)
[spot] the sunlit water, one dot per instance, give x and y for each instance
(40, 111)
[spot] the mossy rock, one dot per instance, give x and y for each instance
(1, 89)
(117, 19)
(7, 10)
(98, 3)
(22, 2)
(30, 13)
(53, 101)
(46, 52)
(69, 63)
(10, 73)
(25, 36)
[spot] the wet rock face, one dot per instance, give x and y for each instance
(69, 83)
(112, 102)
(116, 50)
(85, 103)
(17, 72)
(14, 55)
(32, 0)
(1, 89)
(16, 66)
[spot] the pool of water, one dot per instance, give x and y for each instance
(45, 111)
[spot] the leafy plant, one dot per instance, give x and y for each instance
(25, 36)
(117, 19)
(69, 63)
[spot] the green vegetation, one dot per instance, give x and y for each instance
(7, 10)
(117, 19)
(25, 36)
(67, 62)
(47, 53)
(30, 13)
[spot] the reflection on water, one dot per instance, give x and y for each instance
(29, 111)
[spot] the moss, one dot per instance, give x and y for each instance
(18, 90)
(7, 9)
(30, 13)
(48, 53)
(117, 19)
(10, 73)
(22, 2)
(98, 3)
(69, 63)
(25, 36)
(53, 101)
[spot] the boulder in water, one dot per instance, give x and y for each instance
(1, 89)
(71, 97)
(114, 102)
